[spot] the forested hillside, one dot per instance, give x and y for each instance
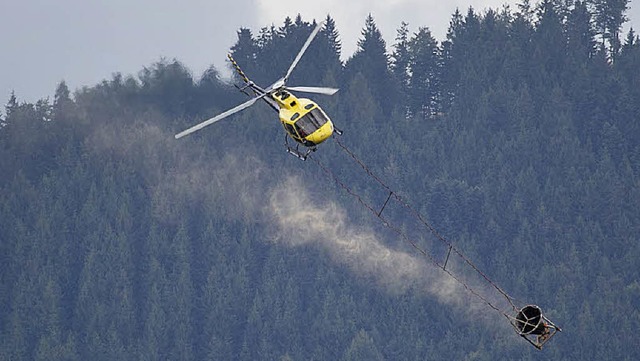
(517, 137)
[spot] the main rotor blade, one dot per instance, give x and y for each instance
(313, 89)
(304, 48)
(219, 117)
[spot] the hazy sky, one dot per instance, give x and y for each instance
(84, 42)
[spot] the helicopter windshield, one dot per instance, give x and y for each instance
(311, 122)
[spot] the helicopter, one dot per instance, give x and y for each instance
(302, 119)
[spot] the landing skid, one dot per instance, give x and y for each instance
(296, 152)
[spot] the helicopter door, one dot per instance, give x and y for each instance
(292, 131)
(301, 132)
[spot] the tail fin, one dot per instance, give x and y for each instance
(240, 72)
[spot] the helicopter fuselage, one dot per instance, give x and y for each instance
(302, 119)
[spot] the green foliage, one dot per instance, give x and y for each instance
(609, 15)
(372, 61)
(362, 348)
(424, 67)
(118, 242)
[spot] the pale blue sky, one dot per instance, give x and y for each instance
(85, 41)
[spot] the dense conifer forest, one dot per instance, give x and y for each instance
(517, 137)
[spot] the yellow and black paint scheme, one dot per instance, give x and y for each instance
(303, 119)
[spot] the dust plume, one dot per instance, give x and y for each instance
(301, 219)
(241, 186)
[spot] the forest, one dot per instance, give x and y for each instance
(517, 138)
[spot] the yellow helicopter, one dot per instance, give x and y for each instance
(303, 120)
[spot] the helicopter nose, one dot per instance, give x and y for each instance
(325, 132)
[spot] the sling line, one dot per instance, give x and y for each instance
(403, 235)
(422, 220)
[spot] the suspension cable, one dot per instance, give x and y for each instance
(402, 234)
(422, 220)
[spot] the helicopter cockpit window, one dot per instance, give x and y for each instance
(290, 129)
(311, 122)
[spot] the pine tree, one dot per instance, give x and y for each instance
(525, 10)
(170, 86)
(331, 32)
(213, 94)
(580, 35)
(400, 58)
(424, 82)
(451, 58)
(362, 348)
(61, 101)
(609, 15)
(331, 49)
(11, 106)
(244, 52)
(371, 60)
(548, 44)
